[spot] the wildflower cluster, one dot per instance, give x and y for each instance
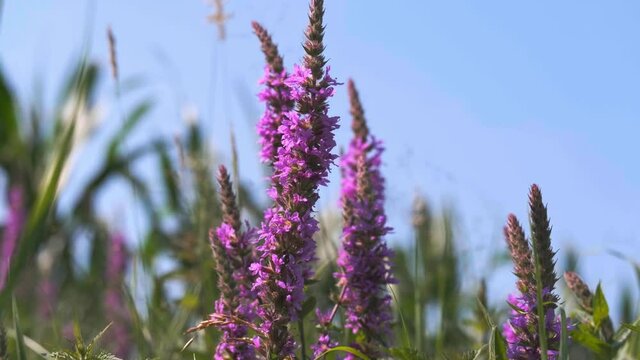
(262, 273)
(302, 145)
(296, 136)
(233, 253)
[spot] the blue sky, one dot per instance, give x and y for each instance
(474, 100)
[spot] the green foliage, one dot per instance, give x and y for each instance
(600, 307)
(587, 337)
(82, 351)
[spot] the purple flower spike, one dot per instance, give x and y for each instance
(233, 253)
(523, 329)
(301, 164)
(13, 228)
(275, 94)
(365, 259)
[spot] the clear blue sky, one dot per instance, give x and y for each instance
(475, 100)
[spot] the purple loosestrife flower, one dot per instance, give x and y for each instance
(276, 95)
(12, 230)
(286, 245)
(364, 257)
(233, 253)
(325, 342)
(522, 331)
(115, 307)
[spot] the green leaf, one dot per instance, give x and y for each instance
(624, 333)
(347, 349)
(8, 118)
(406, 354)
(600, 307)
(130, 123)
(632, 327)
(485, 312)
(3, 341)
(585, 336)
(44, 202)
(96, 338)
(497, 345)
(169, 178)
(20, 350)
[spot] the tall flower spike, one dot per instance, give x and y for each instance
(314, 46)
(521, 255)
(522, 330)
(276, 95)
(115, 306)
(365, 263)
(232, 252)
(286, 246)
(365, 259)
(12, 230)
(541, 238)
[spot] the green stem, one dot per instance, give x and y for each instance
(542, 329)
(303, 352)
(416, 296)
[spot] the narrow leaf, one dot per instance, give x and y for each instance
(497, 345)
(20, 349)
(347, 349)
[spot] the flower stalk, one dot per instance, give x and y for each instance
(365, 259)
(303, 144)
(533, 330)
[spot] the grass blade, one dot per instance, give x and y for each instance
(20, 350)
(497, 345)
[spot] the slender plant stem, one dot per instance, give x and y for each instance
(334, 311)
(416, 295)
(542, 329)
(303, 352)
